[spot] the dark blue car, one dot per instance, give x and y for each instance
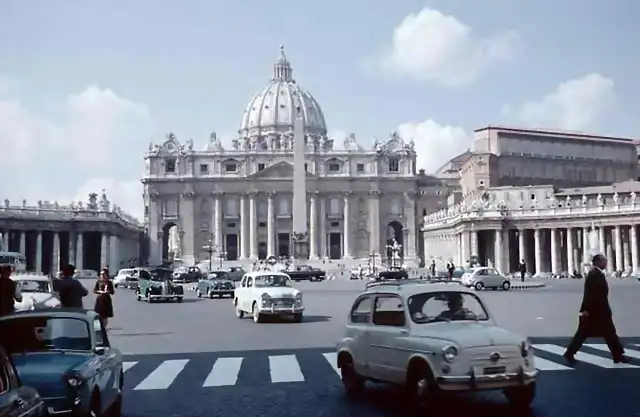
(65, 355)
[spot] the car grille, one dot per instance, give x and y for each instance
(284, 302)
(481, 355)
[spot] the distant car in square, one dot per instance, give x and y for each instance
(483, 277)
(156, 284)
(216, 284)
(264, 294)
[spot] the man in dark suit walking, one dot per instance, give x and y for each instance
(596, 319)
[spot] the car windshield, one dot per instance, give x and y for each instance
(446, 306)
(37, 334)
(218, 275)
(271, 281)
(32, 285)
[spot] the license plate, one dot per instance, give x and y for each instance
(493, 370)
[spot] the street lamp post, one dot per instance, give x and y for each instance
(372, 262)
(209, 248)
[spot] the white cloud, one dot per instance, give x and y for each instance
(97, 143)
(435, 144)
(577, 104)
(431, 46)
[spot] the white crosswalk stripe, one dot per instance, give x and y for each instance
(629, 353)
(226, 371)
(163, 376)
(285, 368)
(332, 358)
(585, 357)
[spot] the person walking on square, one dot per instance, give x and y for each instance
(9, 291)
(70, 290)
(522, 268)
(596, 318)
(104, 290)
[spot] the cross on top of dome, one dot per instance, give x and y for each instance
(282, 70)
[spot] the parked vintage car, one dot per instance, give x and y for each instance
(305, 272)
(393, 272)
(236, 273)
(216, 284)
(485, 277)
(431, 338)
(185, 275)
(66, 356)
(268, 294)
(37, 292)
(155, 284)
(15, 398)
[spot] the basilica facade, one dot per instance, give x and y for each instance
(237, 201)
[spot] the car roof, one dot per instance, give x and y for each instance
(75, 313)
(254, 274)
(30, 277)
(407, 288)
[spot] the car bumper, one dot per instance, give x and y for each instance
(474, 382)
(282, 311)
(165, 297)
(221, 292)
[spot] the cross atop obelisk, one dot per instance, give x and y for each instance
(299, 235)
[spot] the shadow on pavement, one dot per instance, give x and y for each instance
(305, 319)
(140, 334)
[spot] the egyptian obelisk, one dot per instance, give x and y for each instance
(299, 235)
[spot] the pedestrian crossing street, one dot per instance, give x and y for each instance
(152, 373)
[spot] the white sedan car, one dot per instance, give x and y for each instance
(431, 338)
(37, 292)
(268, 293)
(485, 277)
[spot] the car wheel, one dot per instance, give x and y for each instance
(115, 285)
(479, 286)
(506, 286)
(115, 410)
(421, 386)
(179, 299)
(211, 295)
(352, 382)
(198, 293)
(297, 318)
(521, 397)
(138, 297)
(239, 313)
(257, 317)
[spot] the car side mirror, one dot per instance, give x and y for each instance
(99, 350)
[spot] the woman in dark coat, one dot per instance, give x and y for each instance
(104, 290)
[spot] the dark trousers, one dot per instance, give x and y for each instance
(522, 273)
(606, 330)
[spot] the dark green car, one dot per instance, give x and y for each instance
(156, 284)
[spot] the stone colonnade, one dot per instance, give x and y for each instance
(552, 250)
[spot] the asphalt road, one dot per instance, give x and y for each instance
(198, 359)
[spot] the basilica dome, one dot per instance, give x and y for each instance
(273, 110)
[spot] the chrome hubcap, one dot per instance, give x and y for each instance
(421, 388)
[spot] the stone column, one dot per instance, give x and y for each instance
(23, 242)
(104, 250)
(271, 232)
(155, 230)
(244, 226)
(537, 246)
(585, 245)
(464, 249)
(346, 235)
(313, 232)
(474, 243)
(374, 222)
(618, 237)
(522, 252)
(253, 228)
(554, 251)
(72, 247)
(499, 254)
(410, 212)
(570, 260)
(114, 257)
(39, 253)
(626, 256)
(80, 251)
(187, 218)
(216, 222)
(601, 241)
(55, 264)
(633, 242)
(323, 227)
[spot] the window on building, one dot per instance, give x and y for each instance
(283, 206)
(204, 168)
(260, 167)
(360, 168)
(230, 167)
(306, 168)
(334, 167)
(334, 206)
(396, 206)
(394, 165)
(170, 165)
(231, 206)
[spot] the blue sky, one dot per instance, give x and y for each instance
(85, 86)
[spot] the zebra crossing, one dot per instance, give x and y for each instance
(153, 373)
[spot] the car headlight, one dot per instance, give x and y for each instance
(299, 298)
(73, 381)
(266, 299)
(450, 353)
(525, 348)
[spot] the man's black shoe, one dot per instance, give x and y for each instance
(570, 359)
(621, 359)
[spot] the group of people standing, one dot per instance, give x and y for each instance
(70, 291)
